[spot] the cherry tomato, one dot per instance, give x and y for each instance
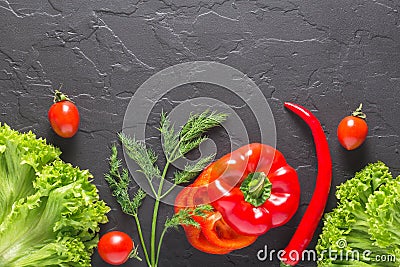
(353, 130)
(115, 247)
(63, 116)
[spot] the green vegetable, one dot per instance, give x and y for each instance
(49, 210)
(176, 144)
(364, 229)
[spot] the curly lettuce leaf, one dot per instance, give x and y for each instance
(359, 223)
(364, 184)
(52, 210)
(383, 209)
(21, 156)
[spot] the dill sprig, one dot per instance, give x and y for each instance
(192, 170)
(185, 216)
(176, 145)
(119, 184)
(170, 138)
(192, 133)
(143, 156)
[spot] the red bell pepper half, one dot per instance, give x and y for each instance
(252, 190)
(266, 194)
(214, 236)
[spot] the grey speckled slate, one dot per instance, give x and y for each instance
(326, 55)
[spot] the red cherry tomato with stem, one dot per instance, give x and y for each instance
(116, 248)
(353, 130)
(63, 116)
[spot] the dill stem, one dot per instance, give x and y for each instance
(168, 191)
(139, 228)
(159, 244)
(152, 189)
(155, 214)
(153, 231)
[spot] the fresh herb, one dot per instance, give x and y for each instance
(366, 220)
(191, 170)
(50, 211)
(176, 145)
(184, 216)
(119, 184)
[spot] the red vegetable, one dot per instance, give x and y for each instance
(115, 247)
(353, 130)
(308, 224)
(265, 191)
(214, 236)
(267, 182)
(195, 235)
(63, 116)
(196, 238)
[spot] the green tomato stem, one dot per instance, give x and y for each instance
(59, 96)
(134, 254)
(358, 113)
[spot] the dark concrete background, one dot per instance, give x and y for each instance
(326, 55)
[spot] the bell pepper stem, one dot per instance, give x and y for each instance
(256, 185)
(256, 188)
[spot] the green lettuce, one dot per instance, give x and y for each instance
(49, 210)
(364, 228)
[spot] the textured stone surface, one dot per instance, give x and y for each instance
(326, 55)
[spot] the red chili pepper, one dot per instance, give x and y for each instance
(308, 224)
(265, 191)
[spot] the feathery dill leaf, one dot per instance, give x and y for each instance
(191, 134)
(143, 156)
(184, 216)
(119, 184)
(170, 137)
(185, 147)
(192, 170)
